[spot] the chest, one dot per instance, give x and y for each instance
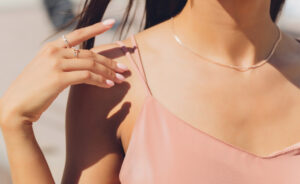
(249, 110)
(221, 94)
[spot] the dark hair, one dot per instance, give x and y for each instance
(156, 11)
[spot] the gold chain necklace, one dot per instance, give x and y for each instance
(236, 67)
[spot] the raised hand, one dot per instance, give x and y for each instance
(55, 67)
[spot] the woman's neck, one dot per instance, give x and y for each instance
(237, 32)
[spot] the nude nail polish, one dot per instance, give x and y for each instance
(109, 82)
(122, 66)
(108, 22)
(120, 77)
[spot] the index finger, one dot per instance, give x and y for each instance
(80, 35)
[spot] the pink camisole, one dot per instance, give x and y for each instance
(164, 149)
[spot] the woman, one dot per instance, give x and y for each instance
(210, 96)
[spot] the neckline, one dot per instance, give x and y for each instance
(150, 96)
(274, 154)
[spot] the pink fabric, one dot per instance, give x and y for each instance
(164, 149)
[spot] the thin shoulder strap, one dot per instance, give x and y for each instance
(136, 62)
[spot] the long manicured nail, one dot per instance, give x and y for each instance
(120, 77)
(108, 22)
(122, 66)
(110, 83)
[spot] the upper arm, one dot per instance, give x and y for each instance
(93, 122)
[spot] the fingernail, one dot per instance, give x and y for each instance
(122, 66)
(108, 22)
(109, 82)
(120, 77)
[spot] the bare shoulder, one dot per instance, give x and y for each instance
(288, 58)
(95, 118)
(122, 102)
(289, 48)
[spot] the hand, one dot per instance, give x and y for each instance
(55, 68)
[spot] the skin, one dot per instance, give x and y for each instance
(255, 110)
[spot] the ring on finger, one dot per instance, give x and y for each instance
(76, 52)
(66, 41)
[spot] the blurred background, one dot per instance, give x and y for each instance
(24, 26)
